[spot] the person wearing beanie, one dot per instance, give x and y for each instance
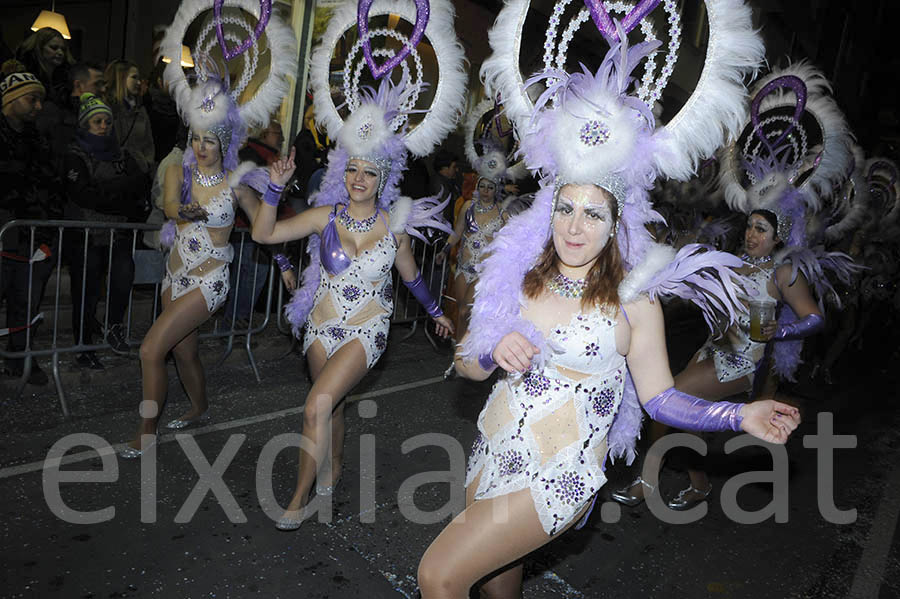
(105, 184)
(29, 189)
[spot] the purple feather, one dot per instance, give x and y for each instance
(257, 179)
(167, 234)
(510, 255)
(786, 354)
(427, 213)
(705, 277)
(626, 426)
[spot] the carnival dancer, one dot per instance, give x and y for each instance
(778, 181)
(567, 302)
(200, 196)
(484, 214)
(360, 227)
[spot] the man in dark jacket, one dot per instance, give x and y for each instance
(29, 189)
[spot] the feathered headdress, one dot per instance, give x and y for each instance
(212, 103)
(484, 131)
(794, 151)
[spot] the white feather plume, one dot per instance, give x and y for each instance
(449, 94)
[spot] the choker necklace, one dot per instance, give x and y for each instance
(208, 180)
(756, 260)
(357, 226)
(566, 287)
(481, 210)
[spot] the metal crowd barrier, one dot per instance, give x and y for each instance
(149, 269)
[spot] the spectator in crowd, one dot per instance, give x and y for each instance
(446, 180)
(104, 183)
(157, 191)
(29, 189)
(84, 77)
(131, 123)
(45, 53)
(163, 113)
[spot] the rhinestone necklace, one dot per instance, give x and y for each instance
(208, 180)
(481, 210)
(357, 226)
(566, 287)
(756, 260)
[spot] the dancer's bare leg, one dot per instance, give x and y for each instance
(460, 290)
(316, 359)
(699, 379)
(478, 543)
(335, 379)
(190, 371)
(178, 320)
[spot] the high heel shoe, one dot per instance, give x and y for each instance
(289, 523)
(626, 497)
(181, 423)
(130, 453)
(327, 491)
(688, 498)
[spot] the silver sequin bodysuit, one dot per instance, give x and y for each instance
(734, 354)
(546, 430)
(475, 238)
(355, 303)
(201, 253)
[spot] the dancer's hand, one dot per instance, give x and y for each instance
(514, 353)
(281, 171)
(193, 212)
(770, 420)
(768, 329)
(289, 278)
(443, 327)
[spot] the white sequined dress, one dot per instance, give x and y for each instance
(734, 354)
(546, 430)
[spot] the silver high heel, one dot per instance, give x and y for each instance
(327, 491)
(180, 423)
(625, 497)
(130, 453)
(288, 523)
(688, 498)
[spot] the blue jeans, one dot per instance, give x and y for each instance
(244, 290)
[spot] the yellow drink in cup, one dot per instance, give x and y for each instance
(761, 312)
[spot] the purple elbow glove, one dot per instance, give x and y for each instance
(283, 262)
(680, 410)
(486, 362)
(272, 196)
(812, 324)
(420, 291)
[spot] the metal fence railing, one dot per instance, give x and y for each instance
(93, 254)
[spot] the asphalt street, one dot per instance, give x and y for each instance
(407, 434)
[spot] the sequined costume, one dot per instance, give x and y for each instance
(734, 354)
(475, 238)
(355, 297)
(546, 430)
(201, 254)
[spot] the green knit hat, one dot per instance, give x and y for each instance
(89, 105)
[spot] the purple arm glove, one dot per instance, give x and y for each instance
(680, 410)
(420, 291)
(272, 196)
(486, 362)
(283, 262)
(812, 324)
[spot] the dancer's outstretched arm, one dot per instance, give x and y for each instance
(648, 363)
(265, 228)
(412, 278)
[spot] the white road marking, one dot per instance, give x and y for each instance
(74, 458)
